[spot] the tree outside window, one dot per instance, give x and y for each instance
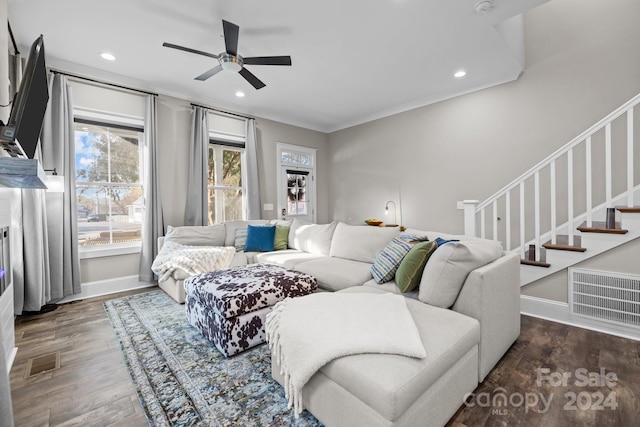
(108, 184)
(225, 184)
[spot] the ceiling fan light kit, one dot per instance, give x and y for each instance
(230, 60)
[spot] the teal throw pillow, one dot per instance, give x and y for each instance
(260, 238)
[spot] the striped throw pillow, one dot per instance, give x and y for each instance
(241, 238)
(387, 262)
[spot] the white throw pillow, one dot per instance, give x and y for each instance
(311, 238)
(194, 235)
(448, 268)
(361, 242)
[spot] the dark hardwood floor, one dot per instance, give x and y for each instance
(92, 385)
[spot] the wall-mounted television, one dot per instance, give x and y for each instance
(19, 138)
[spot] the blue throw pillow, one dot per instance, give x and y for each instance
(260, 238)
(440, 241)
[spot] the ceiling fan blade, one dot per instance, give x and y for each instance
(268, 60)
(204, 76)
(230, 37)
(248, 76)
(188, 49)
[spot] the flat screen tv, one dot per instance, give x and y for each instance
(19, 138)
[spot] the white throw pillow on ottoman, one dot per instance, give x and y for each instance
(449, 266)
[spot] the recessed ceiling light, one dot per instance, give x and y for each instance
(107, 56)
(240, 94)
(460, 73)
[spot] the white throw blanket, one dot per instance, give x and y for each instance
(191, 259)
(306, 333)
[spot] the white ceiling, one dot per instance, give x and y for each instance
(353, 61)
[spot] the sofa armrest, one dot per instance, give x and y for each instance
(491, 295)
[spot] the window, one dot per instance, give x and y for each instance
(226, 190)
(108, 183)
(297, 199)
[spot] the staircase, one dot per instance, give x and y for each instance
(579, 202)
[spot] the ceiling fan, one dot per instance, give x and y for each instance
(230, 60)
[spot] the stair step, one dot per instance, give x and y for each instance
(534, 263)
(626, 209)
(541, 263)
(600, 227)
(562, 244)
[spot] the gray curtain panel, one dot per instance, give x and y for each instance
(58, 151)
(153, 226)
(30, 264)
(251, 166)
(197, 209)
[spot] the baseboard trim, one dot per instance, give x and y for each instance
(106, 287)
(557, 311)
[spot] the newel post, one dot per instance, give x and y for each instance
(469, 207)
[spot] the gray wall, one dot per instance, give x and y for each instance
(270, 133)
(582, 62)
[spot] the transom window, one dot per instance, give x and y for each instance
(289, 157)
(108, 183)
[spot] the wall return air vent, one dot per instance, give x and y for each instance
(605, 296)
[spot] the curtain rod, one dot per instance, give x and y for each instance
(221, 111)
(89, 79)
(13, 40)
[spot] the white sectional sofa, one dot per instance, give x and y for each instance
(466, 310)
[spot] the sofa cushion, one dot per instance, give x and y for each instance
(230, 229)
(388, 260)
(281, 238)
(336, 273)
(449, 266)
(410, 270)
(392, 287)
(433, 235)
(390, 383)
(193, 235)
(260, 238)
(281, 222)
(287, 258)
(312, 238)
(360, 242)
(240, 258)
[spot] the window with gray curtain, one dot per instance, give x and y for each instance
(109, 180)
(225, 184)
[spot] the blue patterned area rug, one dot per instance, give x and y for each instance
(183, 380)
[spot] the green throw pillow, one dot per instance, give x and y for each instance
(410, 270)
(281, 238)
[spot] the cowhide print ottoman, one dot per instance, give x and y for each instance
(229, 306)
